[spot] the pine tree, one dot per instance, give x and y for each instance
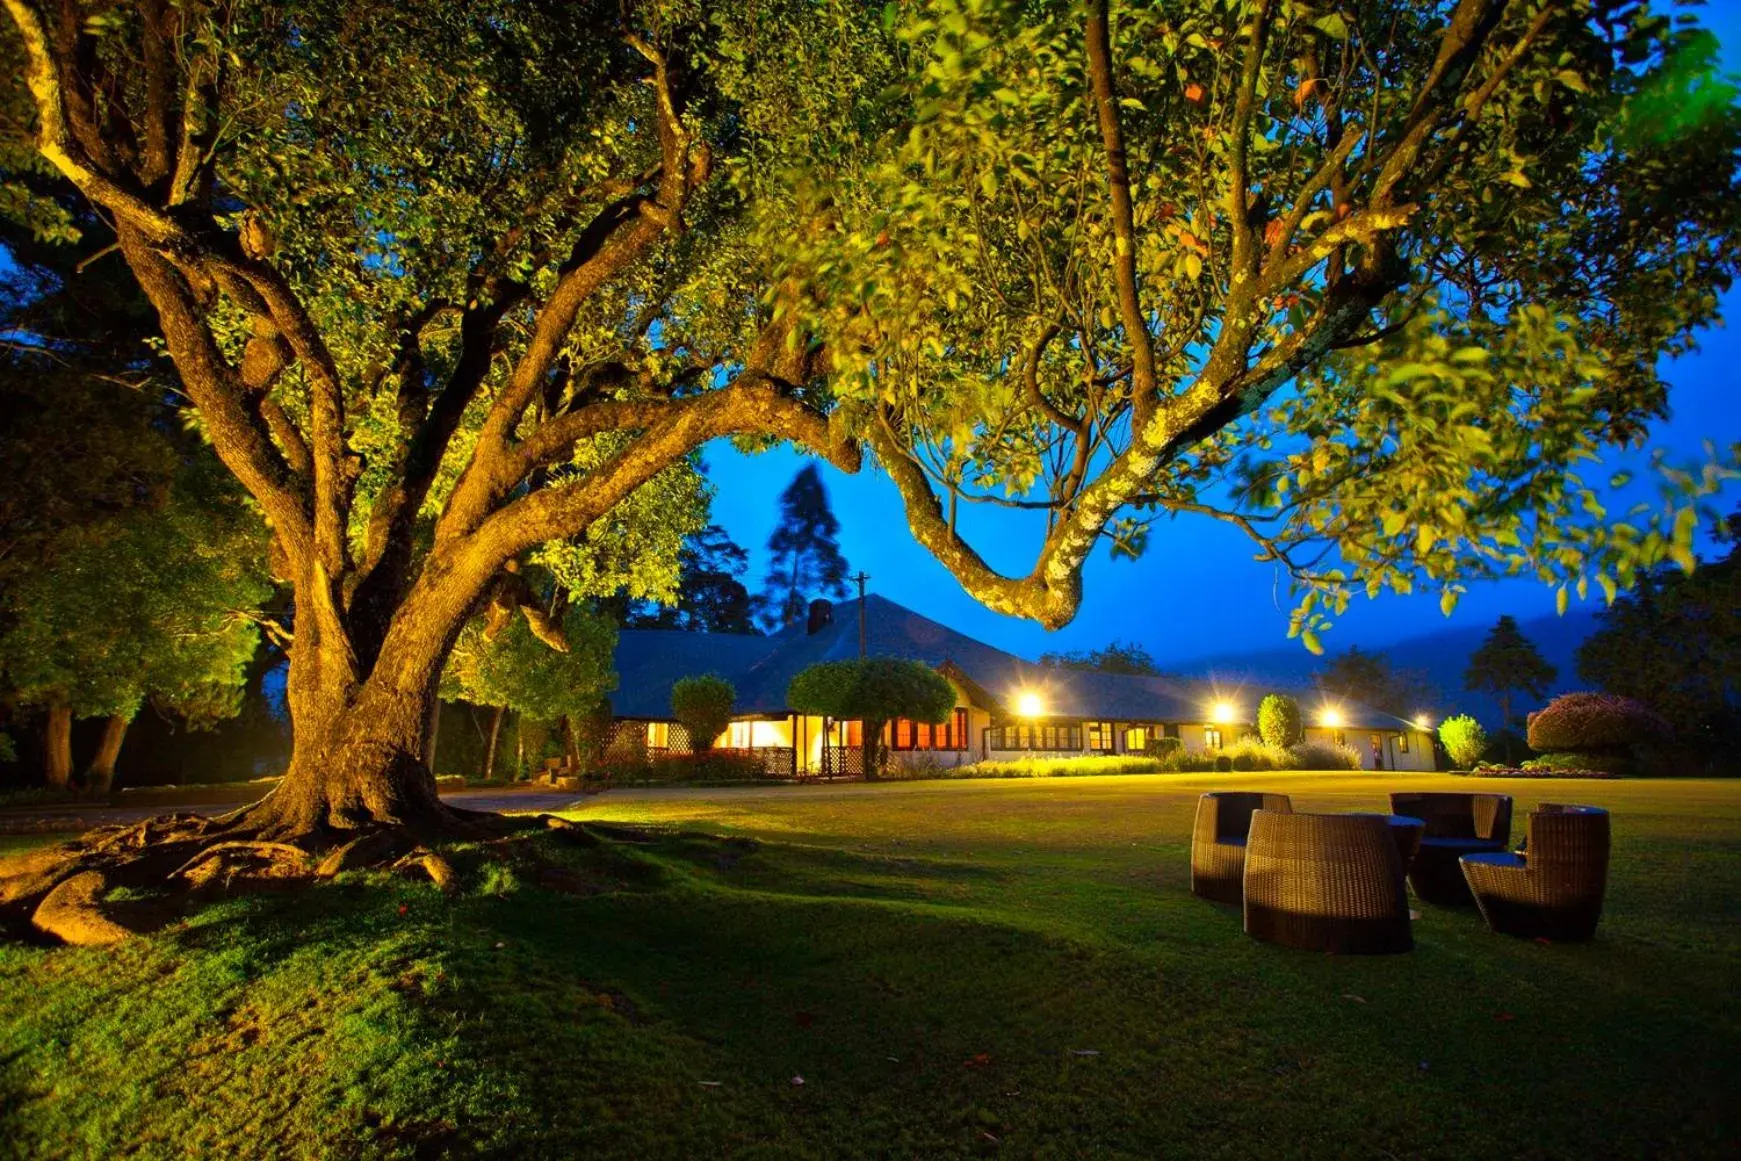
(1507, 663)
(805, 550)
(710, 596)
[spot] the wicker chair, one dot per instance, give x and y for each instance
(1218, 842)
(1457, 825)
(1326, 882)
(1554, 889)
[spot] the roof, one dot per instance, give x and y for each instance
(650, 661)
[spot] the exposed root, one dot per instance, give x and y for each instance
(570, 832)
(71, 912)
(439, 870)
(218, 850)
(366, 850)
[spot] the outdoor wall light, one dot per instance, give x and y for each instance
(1332, 717)
(1029, 705)
(1423, 722)
(1221, 713)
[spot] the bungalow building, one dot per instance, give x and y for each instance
(1006, 707)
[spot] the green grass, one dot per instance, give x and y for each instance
(953, 968)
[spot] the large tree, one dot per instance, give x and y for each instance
(804, 560)
(711, 596)
(1674, 643)
(447, 282)
(1507, 663)
(1370, 678)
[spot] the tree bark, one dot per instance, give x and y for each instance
(495, 735)
(434, 733)
(101, 773)
(870, 742)
(57, 747)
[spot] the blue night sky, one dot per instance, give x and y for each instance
(1197, 591)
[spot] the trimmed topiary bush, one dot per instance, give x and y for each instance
(1595, 722)
(703, 705)
(1223, 764)
(1322, 755)
(1464, 740)
(1279, 721)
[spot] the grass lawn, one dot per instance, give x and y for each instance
(967, 969)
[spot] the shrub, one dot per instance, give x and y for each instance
(1322, 755)
(1464, 740)
(1183, 761)
(1594, 761)
(1054, 767)
(1279, 722)
(1584, 722)
(703, 704)
(1249, 753)
(1163, 747)
(708, 766)
(1223, 764)
(872, 690)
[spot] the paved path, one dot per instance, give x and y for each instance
(42, 819)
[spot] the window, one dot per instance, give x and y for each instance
(948, 735)
(740, 735)
(1402, 743)
(658, 735)
(1100, 736)
(1211, 738)
(1340, 737)
(1136, 739)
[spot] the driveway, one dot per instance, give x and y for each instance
(77, 817)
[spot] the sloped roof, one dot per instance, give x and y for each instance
(650, 661)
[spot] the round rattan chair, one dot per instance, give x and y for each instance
(1218, 842)
(1457, 825)
(1326, 882)
(1554, 889)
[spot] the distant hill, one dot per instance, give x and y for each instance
(1440, 656)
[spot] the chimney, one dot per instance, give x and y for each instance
(821, 615)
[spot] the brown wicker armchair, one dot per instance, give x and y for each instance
(1326, 882)
(1552, 890)
(1457, 825)
(1218, 842)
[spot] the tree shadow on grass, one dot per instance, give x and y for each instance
(674, 1010)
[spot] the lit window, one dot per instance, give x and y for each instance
(1212, 738)
(658, 735)
(1402, 743)
(1136, 739)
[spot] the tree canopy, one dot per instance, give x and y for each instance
(453, 285)
(1674, 643)
(1371, 679)
(1279, 722)
(1114, 657)
(703, 704)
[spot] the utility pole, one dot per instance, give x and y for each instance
(861, 578)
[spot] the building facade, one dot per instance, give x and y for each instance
(1005, 707)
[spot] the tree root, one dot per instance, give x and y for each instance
(219, 850)
(71, 913)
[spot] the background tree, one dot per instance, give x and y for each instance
(1115, 657)
(1369, 678)
(1506, 663)
(711, 596)
(1390, 274)
(703, 705)
(1465, 741)
(804, 560)
(516, 671)
(873, 691)
(1674, 643)
(1279, 722)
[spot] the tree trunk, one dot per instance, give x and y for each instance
(570, 745)
(869, 742)
(495, 734)
(101, 773)
(57, 747)
(434, 733)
